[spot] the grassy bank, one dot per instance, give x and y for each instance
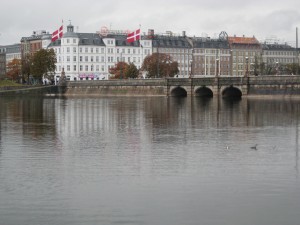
(8, 83)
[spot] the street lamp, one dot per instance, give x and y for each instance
(217, 67)
(192, 65)
(247, 61)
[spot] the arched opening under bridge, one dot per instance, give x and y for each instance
(231, 92)
(178, 92)
(204, 92)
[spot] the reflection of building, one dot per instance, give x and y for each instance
(211, 57)
(244, 51)
(89, 56)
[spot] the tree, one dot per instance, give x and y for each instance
(119, 70)
(14, 69)
(131, 71)
(43, 64)
(160, 65)
(293, 68)
(26, 63)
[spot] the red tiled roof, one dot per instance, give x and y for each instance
(242, 40)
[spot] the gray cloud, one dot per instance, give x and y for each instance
(195, 17)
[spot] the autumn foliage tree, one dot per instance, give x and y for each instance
(160, 65)
(118, 70)
(14, 69)
(123, 70)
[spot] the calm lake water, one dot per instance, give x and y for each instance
(149, 161)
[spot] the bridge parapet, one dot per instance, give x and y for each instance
(252, 85)
(274, 80)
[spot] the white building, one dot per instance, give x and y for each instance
(89, 56)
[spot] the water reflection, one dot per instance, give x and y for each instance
(146, 160)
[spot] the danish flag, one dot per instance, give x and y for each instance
(57, 34)
(134, 36)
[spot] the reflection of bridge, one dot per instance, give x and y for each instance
(204, 86)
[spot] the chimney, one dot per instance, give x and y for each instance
(183, 34)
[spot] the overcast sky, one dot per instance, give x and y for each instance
(261, 18)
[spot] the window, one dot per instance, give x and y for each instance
(80, 58)
(74, 41)
(97, 58)
(86, 67)
(68, 49)
(80, 67)
(92, 67)
(68, 40)
(74, 68)
(74, 58)
(97, 67)
(80, 50)
(86, 50)
(74, 49)
(92, 58)
(86, 58)
(92, 50)
(97, 50)
(68, 68)
(68, 58)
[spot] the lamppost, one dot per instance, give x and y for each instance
(247, 69)
(192, 65)
(252, 69)
(217, 67)
(121, 65)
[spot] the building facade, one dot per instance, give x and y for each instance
(277, 56)
(13, 52)
(211, 57)
(89, 56)
(33, 43)
(245, 51)
(2, 65)
(178, 47)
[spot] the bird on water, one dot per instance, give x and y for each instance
(254, 147)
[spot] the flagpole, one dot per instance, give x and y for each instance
(141, 55)
(61, 62)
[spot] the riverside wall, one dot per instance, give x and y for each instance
(135, 87)
(218, 86)
(32, 91)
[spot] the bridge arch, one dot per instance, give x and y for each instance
(178, 92)
(203, 92)
(231, 92)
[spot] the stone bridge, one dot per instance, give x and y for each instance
(204, 86)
